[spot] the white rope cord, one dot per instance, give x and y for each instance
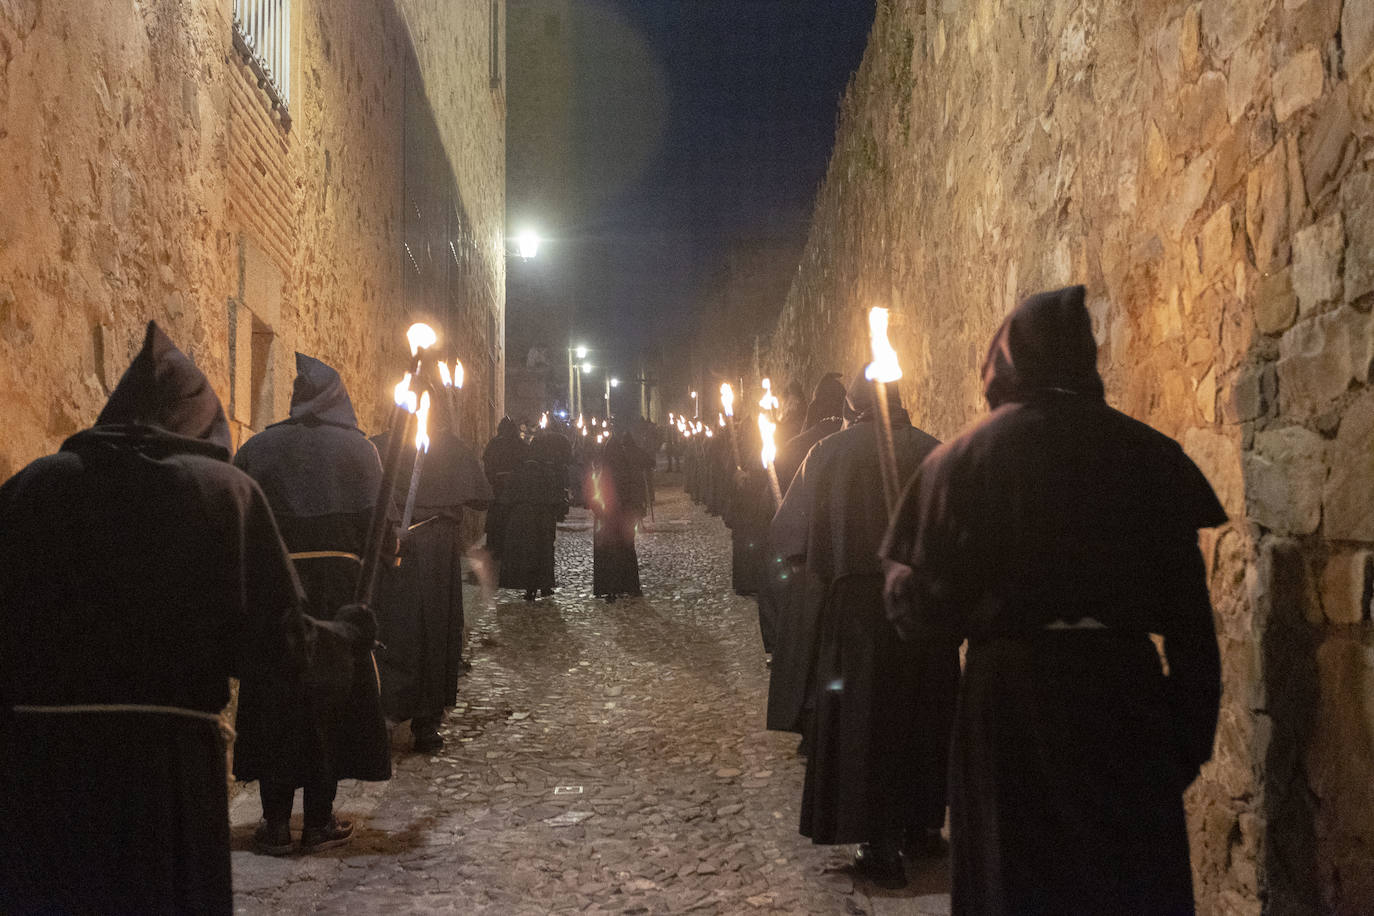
(99, 708)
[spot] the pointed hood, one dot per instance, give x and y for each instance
(828, 400)
(318, 395)
(164, 391)
(861, 399)
(1046, 343)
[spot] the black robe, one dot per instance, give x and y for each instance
(420, 603)
(748, 511)
(503, 454)
(882, 707)
(534, 500)
(320, 475)
(618, 500)
(136, 567)
(1055, 536)
(796, 601)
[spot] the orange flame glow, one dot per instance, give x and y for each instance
(422, 424)
(727, 399)
(421, 337)
(403, 396)
(885, 367)
(769, 451)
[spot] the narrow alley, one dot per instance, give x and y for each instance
(603, 758)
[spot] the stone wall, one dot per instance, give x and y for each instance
(146, 175)
(1205, 169)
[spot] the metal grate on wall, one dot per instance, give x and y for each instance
(262, 34)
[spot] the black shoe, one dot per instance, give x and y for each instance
(428, 742)
(545, 592)
(332, 835)
(272, 839)
(880, 864)
(529, 594)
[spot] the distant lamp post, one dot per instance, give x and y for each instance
(584, 369)
(696, 406)
(527, 244)
(574, 394)
(610, 383)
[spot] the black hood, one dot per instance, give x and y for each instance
(828, 400)
(318, 395)
(164, 403)
(1046, 343)
(861, 397)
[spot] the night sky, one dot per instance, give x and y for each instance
(695, 123)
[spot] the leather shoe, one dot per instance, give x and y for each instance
(880, 864)
(272, 838)
(332, 835)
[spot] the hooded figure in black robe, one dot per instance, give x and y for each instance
(320, 476)
(749, 508)
(618, 498)
(139, 571)
(1055, 536)
(797, 595)
(420, 606)
(504, 453)
(535, 500)
(875, 774)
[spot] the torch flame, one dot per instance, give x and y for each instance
(581, 424)
(885, 367)
(422, 424)
(769, 450)
(769, 401)
(444, 375)
(722, 420)
(421, 337)
(544, 420)
(457, 373)
(402, 394)
(709, 434)
(727, 399)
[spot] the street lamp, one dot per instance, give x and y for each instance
(575, 403)
(585, 368)
(610, 383)
(696, 406)
(527, 244)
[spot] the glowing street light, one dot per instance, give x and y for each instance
(581, 352)
(527, 244)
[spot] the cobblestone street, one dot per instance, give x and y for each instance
(603, 758)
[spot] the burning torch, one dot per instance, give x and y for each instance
(884, 368)
(769, 454)
(421, 337)
(421, 448)
(727, 403)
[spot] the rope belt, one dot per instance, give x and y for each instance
(101, 708)
(325, 555)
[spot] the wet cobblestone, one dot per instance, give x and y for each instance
(603, 758)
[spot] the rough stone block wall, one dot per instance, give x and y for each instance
(1204, 168)
(143, 175)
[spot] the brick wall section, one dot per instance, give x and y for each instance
(141, 176)
(261, 193)
(1203, 168)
